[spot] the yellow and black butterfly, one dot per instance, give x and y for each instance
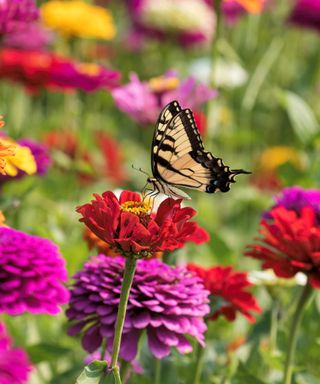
(178, 157)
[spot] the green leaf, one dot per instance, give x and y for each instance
(300, 114)
(93, 373)
(242, 376)
(46, 352)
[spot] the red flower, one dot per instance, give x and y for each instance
(113, 158)
(229, 285)
(127, 225)
(37, 69)
(289, 243)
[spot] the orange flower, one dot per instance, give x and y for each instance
(252, 6)
(5, 150)
(2, 219)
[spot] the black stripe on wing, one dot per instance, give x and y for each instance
(166, 115)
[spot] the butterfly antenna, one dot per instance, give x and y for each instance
(140, 170)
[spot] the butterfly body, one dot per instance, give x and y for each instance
(178, 157)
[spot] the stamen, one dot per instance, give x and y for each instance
(136, 207)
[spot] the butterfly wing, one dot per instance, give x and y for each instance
(179, 157)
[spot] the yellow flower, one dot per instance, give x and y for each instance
(163, 83)
(252, 6)
(77, 18)
(22, 159)
(2, 219)
(273, 157)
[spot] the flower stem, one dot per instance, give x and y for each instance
(293, 333)
(157, 375)
(129, 271)
(198, 365)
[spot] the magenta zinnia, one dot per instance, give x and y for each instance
(168, 302)
(14, 363)
(32, 272)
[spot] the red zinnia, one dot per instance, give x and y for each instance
(127, 225)
(289, 243)
(229, 285)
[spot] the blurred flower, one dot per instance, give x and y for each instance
(267, 278)
(36, 70)
(94, 242)
(78, 18)
(112, 167)
(296, 198)
(15, 14)
(227, 289)
(143, 101)
(252, 6)
(229, 74)
(6, 150)
(65, 141)
(40, 153)
(14, 363)
(289, 243)
(31, 36)
(2, 218)
(173, 19)
(167, 301)
(306, 13)
(270, 160)
(127, 225)
(19, 159)
(32, 273)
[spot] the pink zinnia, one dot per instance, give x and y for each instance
(32, 273)
(14, 363)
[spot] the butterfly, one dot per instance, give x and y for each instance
(178, 157)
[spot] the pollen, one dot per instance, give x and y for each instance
(136, 207)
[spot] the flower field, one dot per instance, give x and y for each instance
(160, 193)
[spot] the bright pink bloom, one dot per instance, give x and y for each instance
(143, 103)
(14, 363)
(228, 291)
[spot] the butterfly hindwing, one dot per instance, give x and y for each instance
(179, 158)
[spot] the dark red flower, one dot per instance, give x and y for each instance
(127, 224)
(289, 243)
(228, 286)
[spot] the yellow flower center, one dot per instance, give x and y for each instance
(162, 83)
(90, 69)
(136, 207)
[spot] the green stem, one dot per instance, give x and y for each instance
(198, 365)
(304, 299)
(274, 325)
(103, 349)
(157, 375)
(129, 271)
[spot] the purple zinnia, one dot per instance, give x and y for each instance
(306, 13)
(32, 272)
(296, 198)
(169, 302)
(14, 362)
(15, 14)
(40, 153)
